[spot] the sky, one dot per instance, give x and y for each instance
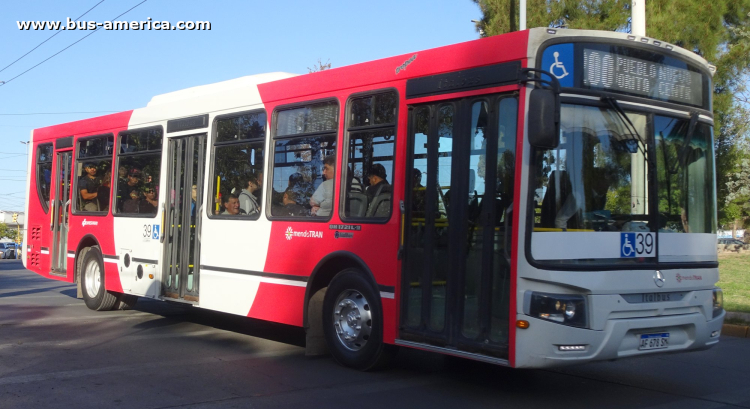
(113, 71)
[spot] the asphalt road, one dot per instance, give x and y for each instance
(55, 353)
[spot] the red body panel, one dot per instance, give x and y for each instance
(376, 245)
(102, 232)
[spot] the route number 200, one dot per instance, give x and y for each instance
(636, 244)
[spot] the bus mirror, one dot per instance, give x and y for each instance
(544, 119)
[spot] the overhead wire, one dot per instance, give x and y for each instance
(57, 53)
(50, 37)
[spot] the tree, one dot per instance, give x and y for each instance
(718, 30)
(320, 66)
(7, 232)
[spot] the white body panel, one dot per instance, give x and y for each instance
(247, 249)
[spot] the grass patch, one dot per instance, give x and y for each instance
(734, 280)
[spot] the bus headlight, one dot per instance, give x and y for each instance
(562, 308)
(718, 301)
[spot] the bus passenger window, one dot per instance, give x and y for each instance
(238, 165)
(138, 170)
(94, 174)
(305, 161)
(44, 173)
(369, 167)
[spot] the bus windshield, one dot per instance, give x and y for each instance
(598, 180)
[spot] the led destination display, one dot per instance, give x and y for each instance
(612, 72)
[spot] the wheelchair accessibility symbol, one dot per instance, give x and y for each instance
(558, 68)
(627, 245)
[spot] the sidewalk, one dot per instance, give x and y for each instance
(735, 330)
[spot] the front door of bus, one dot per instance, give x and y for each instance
(187, 159)
(457, 233)
(60, 211)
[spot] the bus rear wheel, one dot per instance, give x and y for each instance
(353, 322)
(95, 295)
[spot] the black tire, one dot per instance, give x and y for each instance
(351, 299)
(91, 275)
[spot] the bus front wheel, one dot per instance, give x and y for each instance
(95, 295)
(353, 322)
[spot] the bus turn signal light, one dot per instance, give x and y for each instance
(522, 324)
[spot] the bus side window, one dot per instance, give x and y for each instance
(138, 172)
(239, 150)
(94, 174)
(44, 174)
(305, 168)
(369, 156)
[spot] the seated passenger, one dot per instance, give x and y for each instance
(322, 200)
(290, 207)
(149, 203)
(133, 204)
(248, 201)
(232, 205)
(378, 183)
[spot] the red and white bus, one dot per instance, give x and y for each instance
(534, 199)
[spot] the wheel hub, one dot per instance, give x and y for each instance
(92, 278)
(352, 320)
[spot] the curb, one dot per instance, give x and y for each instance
(731, 330)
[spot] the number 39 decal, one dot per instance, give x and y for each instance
(636, 244)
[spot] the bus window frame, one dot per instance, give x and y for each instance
(214, 132)
(116, 165)
(272, 154)
(638, 105)
(77, 160)
(45, 204)
(345, 154)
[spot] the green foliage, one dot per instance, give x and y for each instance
(718, 30)
(7, 232)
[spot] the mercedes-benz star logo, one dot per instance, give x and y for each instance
(659, 279)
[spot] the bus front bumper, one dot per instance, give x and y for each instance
(547, 344)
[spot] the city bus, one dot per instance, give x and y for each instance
(534, 199)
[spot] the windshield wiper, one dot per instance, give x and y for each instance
(688, 139)
(629, 125)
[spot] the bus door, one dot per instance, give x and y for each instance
(458, 224)
(61, 211)
(186, 164)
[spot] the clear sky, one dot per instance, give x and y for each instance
(121, 70)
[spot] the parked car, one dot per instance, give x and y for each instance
(733, 244)
(8, 250)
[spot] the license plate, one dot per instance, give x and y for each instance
(654, 341)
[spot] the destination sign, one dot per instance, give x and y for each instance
(612, 72)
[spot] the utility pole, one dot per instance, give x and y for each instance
(638, 18)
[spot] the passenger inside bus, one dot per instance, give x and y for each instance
(124, 191)
(248, 202)
(289, 206)
(87, 188)
(379, 192)
(133, 204)
(232, 205)
(322, 200)
(149, 203)
(560, 205)
(102, 194)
